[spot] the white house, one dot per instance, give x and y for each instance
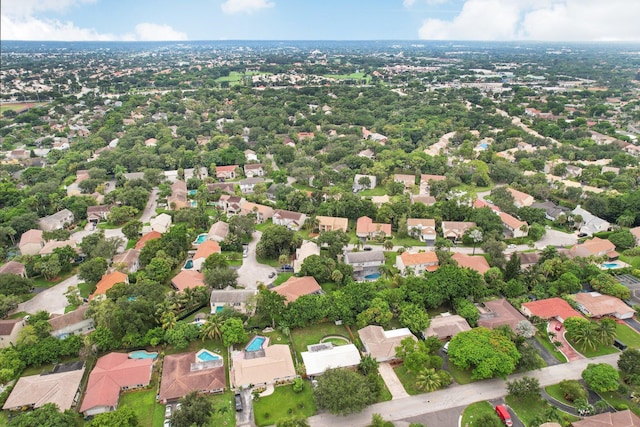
(161, 223)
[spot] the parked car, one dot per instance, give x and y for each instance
(367, 248)
(238, 399)
(167, 423)
(504, 415)
(445, 349)
(272, 275)
(167, 411)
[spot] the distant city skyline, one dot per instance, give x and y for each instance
(489, 20)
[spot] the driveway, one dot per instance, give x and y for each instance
(556, 238)
(569, 352)
(51, 300)
(244, 418)
(252, 273)
(391, 380)
(456, 396)
(150, 209)
(546, 355)
(633, 323)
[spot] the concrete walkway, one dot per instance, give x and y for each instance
(391, 380)
(455, 396)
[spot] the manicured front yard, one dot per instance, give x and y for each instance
(474, 411)
(528, 409)
(224, 413)
(408, 380)
(284, 403)
(600, 350)
(627, 335)
(313, 334)
(282, 277)
(149, 412)
(615, 399)
(461, 376)
(552, 348)
(555, 392)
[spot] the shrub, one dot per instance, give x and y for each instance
(298, 385)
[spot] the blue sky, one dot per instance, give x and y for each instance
(500, 20)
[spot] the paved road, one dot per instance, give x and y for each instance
(546, 355)
(252, 273)
(456, 396)
(633, 323)
(556, 238)
(51, 300)
(150, 209)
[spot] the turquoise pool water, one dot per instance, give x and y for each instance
(219, 309)
(255, 344)
(610, 265)
(141, 354)
(194, 204)
(192, 192)
(201, 239)
(206, 356)
(372, 276)
(188, 265)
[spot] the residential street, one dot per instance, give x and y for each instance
(456, 396)
(51, 300)
(252, 273)
(150, 209)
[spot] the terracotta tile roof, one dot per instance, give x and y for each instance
(179, 377)
(511, 221)
(31, 236)
(499, 313)
(602, 305)
(477, 263)
(595, 246)
(144, 239)
(425, 178)
(447, 326)
(6, 326)
(107, 282)
(624, 418)
(129, 257)
(295, 287)
(420, 258)
(277, 363)
(207, 248)
(13, 267)
(551, 307)
(334, 223)
(456, 228)
(381, 344)
(111, 373)
(37, 390)
(365, 225)
(187, 279)
(520, 197)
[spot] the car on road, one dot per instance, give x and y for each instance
(445, 349)
(238, 399)
(167, 423)
(367, 248)
(511, 246)
(272, 275)
(504, 415)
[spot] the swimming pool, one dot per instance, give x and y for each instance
(188, 265)
(142, 354)
(610, 265)
(372, 276)
(194, 204)
(192, 192)
(200, 239)
(255, 344)
(206, 356)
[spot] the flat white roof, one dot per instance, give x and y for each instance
(342, 356)
(393, 333)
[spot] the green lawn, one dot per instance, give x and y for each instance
(18, 315)
(313, 334)
(601, 350)
(407, 241)
(41, 282)
(627, 335)
(224, 413)
(19, 106)
(329, 287)
(408, 380)
(378, 191)
(475, 410)
(615, 399)
(555, 392)
(284, 403)
(352, 76)
(149, 412)
(282, 277)
(528, 409)
(552, 348)
(390, 258)
(85, 289)
(634, 261)
(461, 376)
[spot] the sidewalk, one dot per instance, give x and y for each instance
(391, 380)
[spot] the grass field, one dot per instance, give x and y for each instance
(313, 334)
(352, 76)
(528, 409)
(474, 411)
(149, 412)
(284, 403)
(555, 392)
(628, 336)
(19, 106)
(554, 351)
(615, 399)
(408, 380)
(600, 350)
(460, 376)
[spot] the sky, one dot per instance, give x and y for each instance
(485, 20)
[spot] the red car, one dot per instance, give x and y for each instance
(558, 326)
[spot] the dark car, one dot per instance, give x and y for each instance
(367, 248)
(238, 399)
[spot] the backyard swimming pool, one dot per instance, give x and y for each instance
(255, 344)
(372, 276)
(188, 265)
(200, 239)
(206, 356)
(142, 354)
(610, 265)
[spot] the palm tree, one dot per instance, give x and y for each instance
(586, 336)
(606, 331)
(428, 379)
(388, 244)
(213, 328)
(168, 320)
(337, 276)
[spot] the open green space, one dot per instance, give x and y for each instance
(618, 401)
(461, 376)
(378, 191)
(224, 413)
(407, 241)
(281, 278)
(85, 289)
(313, 334)
(408, 380)
(41, 282)
(634, 261)
(627, 335)
(284, 403)
(552, 348)
(600, 350)
(150, 413)
(476, 410)
(19, 106)
(528, 409)
(352, 76)
(555, 392)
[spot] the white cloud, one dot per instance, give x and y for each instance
(28, 7)
(150, 32)
(409, 3)
(245, 6)
(547, 20)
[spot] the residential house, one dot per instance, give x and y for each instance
(57, 221)
(9, 330)
(380, 344)
(271, 192)
(550, 308)
(205, 249)
(423, 229)
(71, 323)
(513, 227)
(595, 247)
(178, 198)
(295, 287)
(226, 172)
(291, 220)
(107, 281)
(187, 279)
(185, 373)
(329, 223)
(321, 357)
(51, 245)
(363, 182)
(305, 135)
(477, 263)
(171, 176)
(231, 205)
(454, 230)
(147, 237)
(528, 259)
(423, 198)
(551, 210)
(200, 173)
(247, 185)
(366, 265)
(14, 267)
(380, 200)
(252, 170)
(624, 418)
(151, 142)
(113, 373)
(499, 312)
(161, 223)
(250, 156)
(272, 364)
(224, 187)
(521, 199)
(573, 171)
(408, 180)
(614, 170)
(31, 242)
(262, 213)
(373, 136)
(594, 304)
(303, 252)
(590, 223)
(425, 182)
(35, 391)
(446, 326)
(218, 231)
(368, 154)
(128, 260)
(95, 214)
(366, 228)
(237, 299)
(132, 176)
(417, 263)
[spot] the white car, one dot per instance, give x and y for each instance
(167, 411)
(511, 246)
(445, 349)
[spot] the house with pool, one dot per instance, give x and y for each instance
(262, 364)
(366, 265)
(236, 299)
(183, 373)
